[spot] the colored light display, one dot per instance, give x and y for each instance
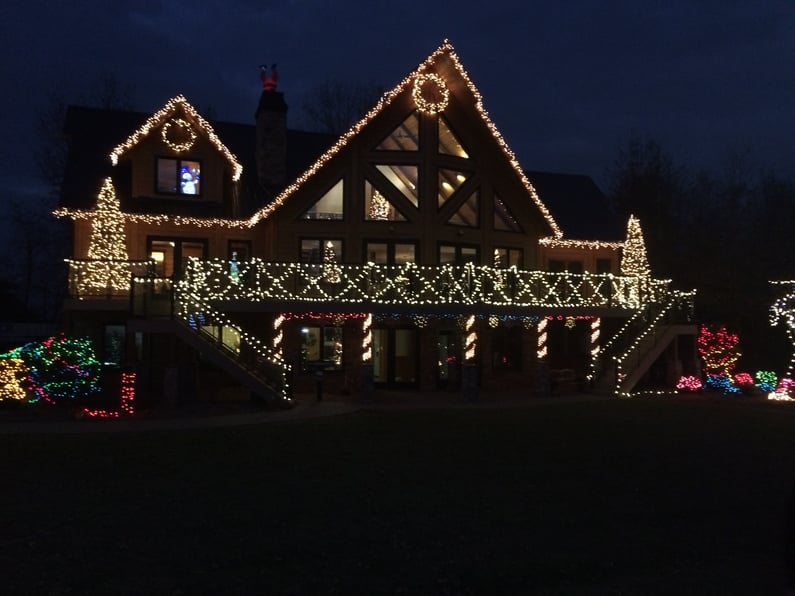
(689, 384)
(126, 400)
(718, 350)
(60, 368)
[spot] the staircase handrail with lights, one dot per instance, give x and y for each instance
(678, 310)
(195, 314)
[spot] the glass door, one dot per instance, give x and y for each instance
(395, 357)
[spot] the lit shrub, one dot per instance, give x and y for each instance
(689, 384)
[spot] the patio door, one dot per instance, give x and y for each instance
(396, 357)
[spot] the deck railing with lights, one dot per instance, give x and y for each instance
(412, 284)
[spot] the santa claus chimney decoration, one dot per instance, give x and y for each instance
(269, 81)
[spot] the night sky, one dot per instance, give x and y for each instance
(565, 82)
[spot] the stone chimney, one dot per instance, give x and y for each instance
(271, 118)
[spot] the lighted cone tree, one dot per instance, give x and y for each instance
(13, 378)
(634, 262)
(379, 207)
(331, 271)
(109, 266)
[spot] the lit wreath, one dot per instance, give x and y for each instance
(430, 93)
(186, 129)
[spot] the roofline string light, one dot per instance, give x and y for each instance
(160, 116)
(387, 99)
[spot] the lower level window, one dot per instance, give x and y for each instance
(321, 348)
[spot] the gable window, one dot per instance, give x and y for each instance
(377, 207)
(503, 218)
(404, 178)
(178, 176)
(448, 142)
(405, 137)
(467, 214)
(329, 206)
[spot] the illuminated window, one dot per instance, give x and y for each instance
(467, 214)
(329, 206)
(503, 219)
(377, 207)
(507, 257)
(405, 137)
(404, 178)
(171, 254)
(313, 250)
(448, 142)
(178, 176)
(321, 348)
(449, 182)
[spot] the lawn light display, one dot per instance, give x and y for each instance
(127, 400)
(718, 350)
(60, 369)
(783, 311)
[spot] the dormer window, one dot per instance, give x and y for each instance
(178, 176)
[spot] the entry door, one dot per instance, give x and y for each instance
(395, 357)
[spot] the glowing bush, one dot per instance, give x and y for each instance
(743, 379)
(766, 380)
(689, 384)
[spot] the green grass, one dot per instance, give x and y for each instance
(620, 497)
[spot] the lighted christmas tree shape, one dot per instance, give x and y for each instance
(108, 266)
(331, 272)
(634, 262)
(379, 207)
(13, 374)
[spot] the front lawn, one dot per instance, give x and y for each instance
(621, 497)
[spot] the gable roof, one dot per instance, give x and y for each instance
(93, 133)
(425, 68)
(178, 103)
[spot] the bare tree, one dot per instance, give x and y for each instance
(107, 92)
(334, 106)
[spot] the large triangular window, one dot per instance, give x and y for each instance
(329, 206)
(467, 214)
(503, 220)
(405, 137)
(449, 182)
(448, 142)
(377, 207)
(404, 178)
